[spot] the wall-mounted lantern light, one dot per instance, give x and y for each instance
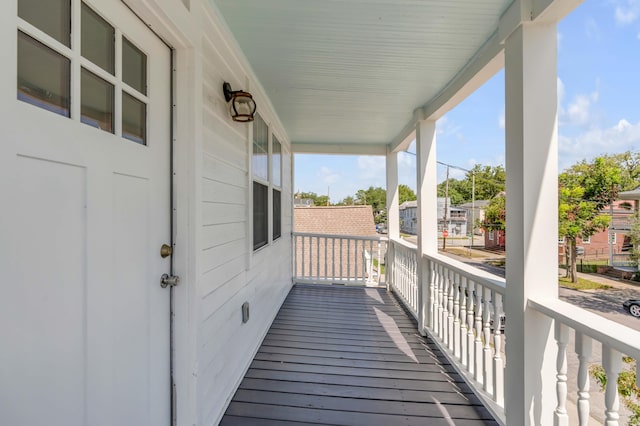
(242, 106)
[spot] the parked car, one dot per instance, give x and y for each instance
(633, 307)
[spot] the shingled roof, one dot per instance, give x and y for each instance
(335, 220)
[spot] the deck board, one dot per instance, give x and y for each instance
(350, 356)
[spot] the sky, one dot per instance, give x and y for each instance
(598, 109)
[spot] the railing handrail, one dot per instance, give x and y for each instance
(601, 329)
(486, 279)
(337, 236)
(403, 243)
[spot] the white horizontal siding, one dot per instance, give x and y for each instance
(229, 273)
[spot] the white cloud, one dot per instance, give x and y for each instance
(592, 29)
(328, 176)
(626, 11)
(578, 113)
(622, 136)
(371, 170)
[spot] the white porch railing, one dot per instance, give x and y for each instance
(462, 309)
(338, 259)
(402, 266)
(616, 341)
(464, 305)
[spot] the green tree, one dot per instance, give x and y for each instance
(376, 198)
(585, 189)
(405, 194)
(489, 182)
(495, 214)
(318, 200)
(347, 201)
(627, 387)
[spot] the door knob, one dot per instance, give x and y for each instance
(165, 251)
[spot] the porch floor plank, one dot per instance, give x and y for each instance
(350, 356)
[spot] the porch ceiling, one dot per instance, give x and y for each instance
(353, 71)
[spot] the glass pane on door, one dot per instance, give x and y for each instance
(43, 76)
(134, 119)
(97, 101)
(51, 16)
(98, 39)
(134, 66)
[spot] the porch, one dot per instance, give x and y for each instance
(356, 355)
(350, 355)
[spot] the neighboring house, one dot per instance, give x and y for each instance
(494, 239)
(409, 217)
(456, 218)
(347, 221)
(302, 202)
(598, 246)
(475, 213)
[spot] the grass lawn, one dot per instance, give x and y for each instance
(382, 268)
(464, 252)
(582, 284)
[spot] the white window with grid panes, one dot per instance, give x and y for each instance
(266, 168)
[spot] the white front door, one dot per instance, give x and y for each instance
(85, 208)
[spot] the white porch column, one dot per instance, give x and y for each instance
(532, 216)
(393, 215)
(427, 211)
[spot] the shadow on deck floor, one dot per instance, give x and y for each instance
(350, 356)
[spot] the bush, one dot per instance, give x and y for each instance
(587, 268)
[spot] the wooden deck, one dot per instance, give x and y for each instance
(350, 356)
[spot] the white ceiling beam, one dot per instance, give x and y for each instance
(339, 148)
(553, 10)
(408, 133)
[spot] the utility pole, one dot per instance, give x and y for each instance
(473, 208)
(446, 207)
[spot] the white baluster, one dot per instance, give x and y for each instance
(445, 307)
(583, 349)
(612, 363)
(498, 362)
(436, 298)
(450, 288)
(478, 368)
(441, 300)
(333, 258)
(304, 259)
(340, 264)
(486, 349)
(433, 277)
(463, 322)
(470, 325)
(560, 417)
(456, 315)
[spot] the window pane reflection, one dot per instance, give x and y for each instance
(43, 76)
(98, 40)
(134, 66)
(134, 119)
(51, 16)
(97, 101)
